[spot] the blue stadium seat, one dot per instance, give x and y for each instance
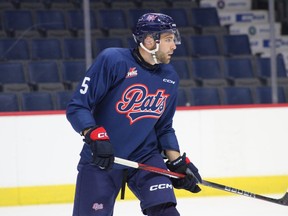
(182, 50)
(204, 17)
(182, 68)
(179, 16)
(264, 67)
(264, 95)
(182, 98)
(112, 19)
(75, 19)
(74, 48)
(234, 45)
(73, 71)
(49, 48)
(62, 98)
(12, 73)
(204, 45)
(239, 68)
(36, 101)
(131, 42)
(102, 43)
(205, 96)
(14, 49)
(43, 72)
(185, 3)
(208, 72)
(17, 20)
(238, 95)
(50, 20)
(207, 68)
(206, 21)
(240, 71)
(9, 102)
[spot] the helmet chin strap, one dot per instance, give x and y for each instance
(152, 52)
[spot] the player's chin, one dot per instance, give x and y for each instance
(167, 60)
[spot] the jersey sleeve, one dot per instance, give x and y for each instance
(164, 127)
(90, 91)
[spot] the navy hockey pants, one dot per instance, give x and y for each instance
(96, 190)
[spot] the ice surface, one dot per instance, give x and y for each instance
(205, 206)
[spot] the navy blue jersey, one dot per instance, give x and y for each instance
(135, 105)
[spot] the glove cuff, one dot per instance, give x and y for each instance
(97, 133)
(178, 165)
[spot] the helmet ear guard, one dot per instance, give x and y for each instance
(149, 40)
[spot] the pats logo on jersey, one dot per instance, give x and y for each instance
(132, 72)
(137, 103)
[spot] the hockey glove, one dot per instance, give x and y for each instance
(102, 149)
(183, 165)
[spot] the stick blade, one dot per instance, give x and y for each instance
(284, 199)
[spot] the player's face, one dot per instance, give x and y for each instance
(166, 48)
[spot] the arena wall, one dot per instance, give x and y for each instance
(243, 146)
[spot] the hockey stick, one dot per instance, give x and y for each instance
(128, 163)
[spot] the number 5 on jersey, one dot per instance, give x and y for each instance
(84, 85)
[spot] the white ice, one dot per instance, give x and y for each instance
(206, 206)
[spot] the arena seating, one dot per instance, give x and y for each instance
(205, 96)
(14, 49)
(42, 52)
(238, 95)
(209, 72)
(182, 65)
(204, 45)
(9, 102)
(36, 101)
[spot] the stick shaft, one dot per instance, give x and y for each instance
(132, 164)
(136, 165)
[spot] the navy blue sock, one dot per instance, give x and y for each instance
(166, 209)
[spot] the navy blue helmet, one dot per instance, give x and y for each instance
(155, 24)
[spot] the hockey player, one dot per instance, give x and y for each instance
(124, 107)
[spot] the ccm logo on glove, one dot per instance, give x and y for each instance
(99, 134)
(101, 148)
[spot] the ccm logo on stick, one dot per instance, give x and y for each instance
(161, 187)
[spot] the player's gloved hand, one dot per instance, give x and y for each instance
(183, 165)
(102, 149)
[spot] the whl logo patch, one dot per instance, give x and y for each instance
(132, 72)
(137, 103)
